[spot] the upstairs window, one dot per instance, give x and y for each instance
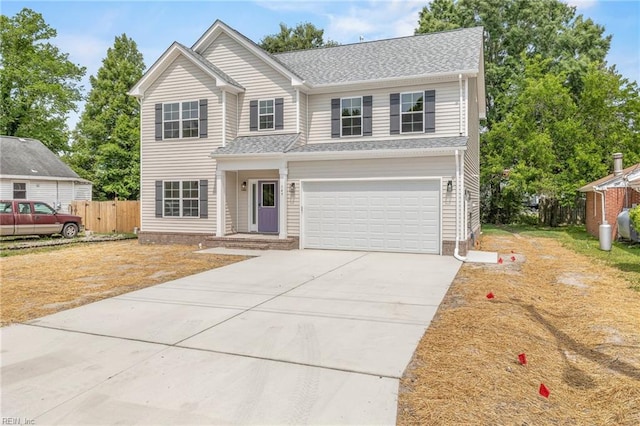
(19, 190)
(180, 120)
(412, 112)
(351, 116)
(181, 198)
(266, 114)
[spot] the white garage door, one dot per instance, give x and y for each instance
(396, 216)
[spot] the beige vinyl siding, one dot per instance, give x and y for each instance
(260, 80)
(231, 124)
(243, 196)
(437, 167)
(447, 112)
(304, 101)
(179, 159)
(472, 160)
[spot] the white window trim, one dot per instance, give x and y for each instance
(401, 113)
(180, 119)
(181, 198)
(273, 100)
(361, 117)
(26, 190)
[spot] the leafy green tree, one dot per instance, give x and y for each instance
(555, 112)
(39, 86)
(514, 28)
(303, 36)
(106, 147)
(552, 142)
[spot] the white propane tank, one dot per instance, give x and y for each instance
(605, 236)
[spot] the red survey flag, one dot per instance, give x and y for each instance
(544, 391)
(522, 358)
(500, 261)
(490, 296)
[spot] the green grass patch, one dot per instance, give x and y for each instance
(624, 256)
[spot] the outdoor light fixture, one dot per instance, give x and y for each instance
(449, 186)
(292, 187)
(243, 186)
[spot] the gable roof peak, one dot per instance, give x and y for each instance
(159, 66)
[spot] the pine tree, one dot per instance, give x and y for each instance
(106, 148)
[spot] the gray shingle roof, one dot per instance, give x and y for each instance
(209, 65)
(289, 143)
(444, 52)
(392, 144)
(260, 144)
(29, 157)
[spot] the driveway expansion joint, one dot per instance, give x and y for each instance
(276, 296)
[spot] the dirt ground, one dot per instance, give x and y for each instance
(575, 319)
(37, 284)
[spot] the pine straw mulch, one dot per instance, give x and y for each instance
(37, 284)
(577, 321)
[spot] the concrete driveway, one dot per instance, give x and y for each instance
(295, 337)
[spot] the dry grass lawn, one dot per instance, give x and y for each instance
(41, 283)
(576, 319)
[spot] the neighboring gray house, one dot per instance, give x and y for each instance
(366, 146)
(29, 170)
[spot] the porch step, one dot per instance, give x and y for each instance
(256, 243)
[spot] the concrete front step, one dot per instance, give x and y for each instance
(256, 243)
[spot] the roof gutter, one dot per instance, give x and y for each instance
(336, 155)
(51, 178)
(400, 80)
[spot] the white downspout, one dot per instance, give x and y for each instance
(604, 217)
(297, 110)
(456, 250)
(460, 105)
(224, 118)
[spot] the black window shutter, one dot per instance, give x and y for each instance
(335, 118)
(367, 112)
(158, 122)
(394, 113)
(279, 114)
(158, 198)
(204, 109)
(430, 111)
(253, 115)
(204, 199)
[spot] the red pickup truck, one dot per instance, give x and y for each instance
(22, 217)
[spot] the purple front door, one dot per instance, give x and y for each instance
(268, 206)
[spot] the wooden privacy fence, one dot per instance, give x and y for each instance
(108, 216)
(551, 213)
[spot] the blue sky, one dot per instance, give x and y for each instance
(86, 29)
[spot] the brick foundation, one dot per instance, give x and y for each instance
(448, 247)
(172, 238)
(210, 240)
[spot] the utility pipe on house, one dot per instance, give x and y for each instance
(458, 205)
(460, 105)
(604, 230)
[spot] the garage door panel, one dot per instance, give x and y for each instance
(372, 215)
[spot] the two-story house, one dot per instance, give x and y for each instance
(367, 146)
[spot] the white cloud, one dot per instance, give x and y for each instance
(347, 20)
(582, 4)
(374, 20)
